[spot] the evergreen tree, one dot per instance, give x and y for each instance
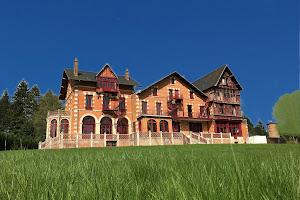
(22, 111)
(260, 128)
(49, 101)
(5, 113)
(251, 130)
(35, 96)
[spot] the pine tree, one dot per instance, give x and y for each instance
(5, 113)
(260, 128)
(35, 96)
(22, 111)
(49, 101)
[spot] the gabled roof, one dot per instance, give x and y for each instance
(91, 76)
(106, 65)
(68, 74)
(181, 77)
(213, 78)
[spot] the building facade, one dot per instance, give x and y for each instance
(104, 109)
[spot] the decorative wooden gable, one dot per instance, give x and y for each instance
(228, 80)
(106, 80)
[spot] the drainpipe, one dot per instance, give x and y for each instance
(78, 107)
(131, 113)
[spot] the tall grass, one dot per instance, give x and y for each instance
(157, 172)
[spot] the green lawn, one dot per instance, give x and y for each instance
(157, 172)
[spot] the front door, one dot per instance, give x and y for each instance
(111, 143)
(176, 127)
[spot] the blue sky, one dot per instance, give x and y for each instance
(257, 39)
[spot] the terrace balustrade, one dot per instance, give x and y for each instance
(59, 113)
(195, 115)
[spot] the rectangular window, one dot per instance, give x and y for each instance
(176, 94)
(155, 91)
(172, 80)
(170, 93)
(233, 110)
(158, 108)
(107, 83)
(133, 127)
(144, 107)
(221, 109)
(224, 92)
(140, 126)
(218, 92)
(191, 95)
(227, 93)
(105, 103)
(201, 109)
(122, 103)
(190, 114)
(88, 102)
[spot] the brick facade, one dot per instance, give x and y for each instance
(98, 103)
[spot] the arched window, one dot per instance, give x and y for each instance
(106, 125)
(123, 126)
(152, 125)
(88, 125)
(53, 128)
(164, 126)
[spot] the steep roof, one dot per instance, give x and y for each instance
(106, 65)
(68, 74)
(181, 77)
(213, 78)
(91, 76)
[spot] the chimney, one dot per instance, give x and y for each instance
(127, 74)
(75, 67)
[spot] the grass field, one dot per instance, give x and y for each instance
(156, 172)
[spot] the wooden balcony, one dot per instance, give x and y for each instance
(59, 113)
(230, 100)
(238, 113)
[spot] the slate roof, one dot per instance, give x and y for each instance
(185, 80)
(91, 76)
(212, 79)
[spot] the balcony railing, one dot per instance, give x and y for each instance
(215, 97)
(105, 89)
(237, 113)
(153, 112)
(59, 113)
(113, 106)
(175, 96)
(195, 115)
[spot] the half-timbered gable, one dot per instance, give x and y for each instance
(223, 90)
